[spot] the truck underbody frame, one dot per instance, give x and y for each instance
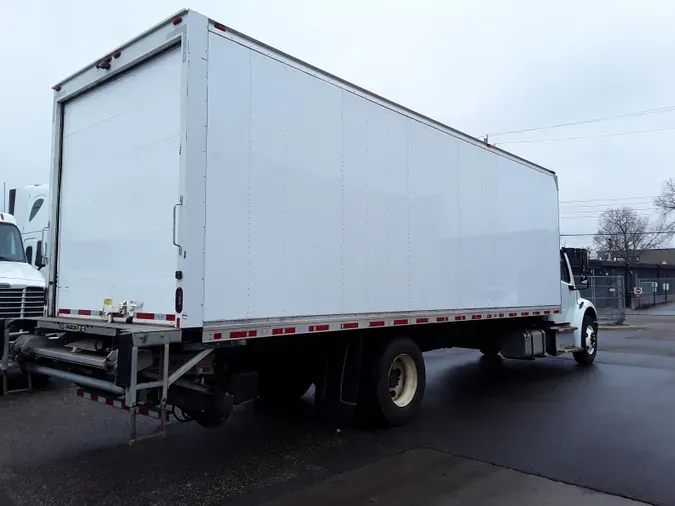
(151, 370)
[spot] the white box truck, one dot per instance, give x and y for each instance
(228, 223)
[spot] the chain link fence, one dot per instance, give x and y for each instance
(609, 296)
(654, 292)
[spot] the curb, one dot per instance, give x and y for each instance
(617, 327)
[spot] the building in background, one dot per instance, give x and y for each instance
(653, 272)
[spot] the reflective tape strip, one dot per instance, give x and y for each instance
(156, 316)
(116, 403)
(93, 313)
(224, 333)
(80, 312)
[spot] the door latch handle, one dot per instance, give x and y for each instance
(175, 241)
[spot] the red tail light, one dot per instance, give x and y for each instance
(179, 300)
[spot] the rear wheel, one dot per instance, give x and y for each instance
(40, 381)
(589, 341)
(207, 418)
(394, 384)
(490, 349)
(281, 385)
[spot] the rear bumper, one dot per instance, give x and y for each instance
(157, 334)
(131, 362)
(98, 355)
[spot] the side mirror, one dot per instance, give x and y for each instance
(40, 259)
(578, 259)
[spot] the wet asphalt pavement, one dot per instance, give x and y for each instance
(607, 428)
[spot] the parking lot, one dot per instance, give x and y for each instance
(511, 432)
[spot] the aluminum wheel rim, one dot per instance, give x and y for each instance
(590, 339)
(402, 380)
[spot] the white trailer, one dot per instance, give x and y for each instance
(229, 222)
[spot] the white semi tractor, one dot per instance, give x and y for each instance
(230, 223)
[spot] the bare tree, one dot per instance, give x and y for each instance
(624, 235)
(666, 201)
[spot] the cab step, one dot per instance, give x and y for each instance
(7, 365)
(563, 328)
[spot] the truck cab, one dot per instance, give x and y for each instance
(22, 285)
(30, 207)
(579, 312)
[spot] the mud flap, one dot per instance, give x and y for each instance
(337, 385)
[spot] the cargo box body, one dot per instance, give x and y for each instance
(210, 181)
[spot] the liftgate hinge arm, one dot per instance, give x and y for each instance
(189, 365)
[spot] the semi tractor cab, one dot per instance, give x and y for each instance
(22, 286)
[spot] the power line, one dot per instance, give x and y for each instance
(655, 232)
(590, 207)
(594, 208)
(598, 212)
(607, 199)
(583, 137)
(594, 120)
(596, 218)
(568, 219)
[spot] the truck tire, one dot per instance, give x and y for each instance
(207, 418)
(394, 384)
(40, 381)
(589, 341)
(490, 349)
(277, 386)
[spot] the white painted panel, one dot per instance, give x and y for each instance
(434, 264)
(375, 213)
(273, 189)
(119, 182)
(478, 228)
(325, 202)
(228, 184)
(528, 212)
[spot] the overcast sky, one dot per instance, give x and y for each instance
(481, 67)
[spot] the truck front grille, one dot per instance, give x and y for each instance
(22, 302)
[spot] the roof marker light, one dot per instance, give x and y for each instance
(220, 26)
(117, 54)
(177, 21)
